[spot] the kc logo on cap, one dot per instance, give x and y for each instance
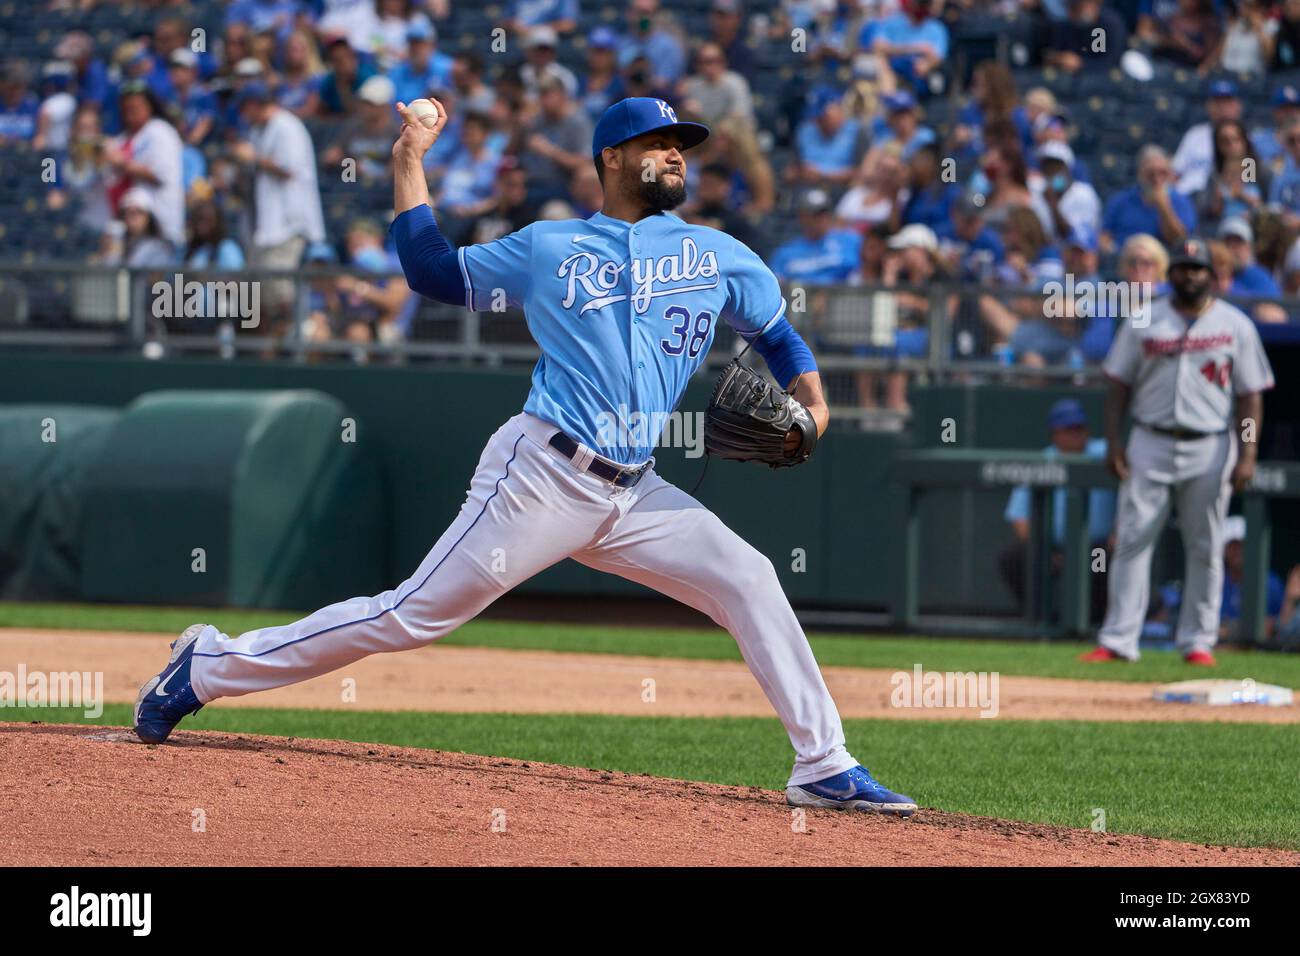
(638, 115)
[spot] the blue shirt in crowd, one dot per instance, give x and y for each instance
(818, 261)
(1128, 213)
(1101, 501)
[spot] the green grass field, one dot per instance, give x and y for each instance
(1179, 781)
(1031, 658)
(1214, 783)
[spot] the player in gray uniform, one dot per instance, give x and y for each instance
(1192, 380)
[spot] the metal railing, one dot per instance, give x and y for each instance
(860, 334)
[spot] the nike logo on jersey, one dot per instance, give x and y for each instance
(651, 277)
(578, 239)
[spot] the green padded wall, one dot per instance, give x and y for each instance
(47, 453)
(286, 513)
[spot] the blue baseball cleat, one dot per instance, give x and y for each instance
(854, 789)
(165, 699)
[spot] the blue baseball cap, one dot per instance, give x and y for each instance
(900, 101)
(1286, 96)
(820, 99)
(1083, 238)
(635, 115)
(254, 92)
(602, 38)
(1067, 413)
(1222, 88)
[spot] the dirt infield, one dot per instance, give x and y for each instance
(94, 795)
(473, 679)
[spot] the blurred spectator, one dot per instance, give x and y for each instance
(871, 265)
(1284, 191)
(1248, 40)
(733, 144)
(648, 36)
(911, 263)
(261, 16)
(820, 254)
(394, 22)
(84, 174)
(558, 15)
(930, 199)
(1144, 260)
(1286, 52)
(364, 310)
(18, 104)
(1249, 279)
(355, 21)
(600, 84)
(540, 62)
(915, 43)
(472, 94)
(339, 85)
(1190, 35)
(589, 196)
(425, 69)
(1005, 181)
(91, 82)
(1266, 140)
(135, 240)
(1032, 258)
(726, 29)
(971, 249)
(1151, 206)
(901, 125)
(148, 155)
(58, 104)
(511, 209)
(209, 246)
(466, 190)
(198, 107)
(286, 199)
(300, 76)
(558, 141)
(714, 93)
(993, 100)
(1239, 182)
(1073, 205)
(1288, 618)
(829, 146)
(1067, 423)
(1193, 163)
(1074, 44)
(366, 138)
(713, 205)
(877, 186)
(1234, 565)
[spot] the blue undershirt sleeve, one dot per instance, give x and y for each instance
(428, 259)
(785, 352)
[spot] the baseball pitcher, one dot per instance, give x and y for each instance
(1192, 380)
(623, 306)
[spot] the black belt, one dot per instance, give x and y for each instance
(614, 474)
(1182, 434)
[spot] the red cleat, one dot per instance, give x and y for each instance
(1200, 659)
(1099, 654)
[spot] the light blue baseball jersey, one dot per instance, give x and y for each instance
(624, 314)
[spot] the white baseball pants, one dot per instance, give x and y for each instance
(1191, 475)
(528, 507)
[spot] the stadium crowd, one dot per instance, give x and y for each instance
(897, 153)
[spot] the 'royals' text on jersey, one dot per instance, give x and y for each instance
(1186, 374)
(624, 314)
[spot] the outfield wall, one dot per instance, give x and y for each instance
(425, 426)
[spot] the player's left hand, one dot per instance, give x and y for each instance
(1242, 474)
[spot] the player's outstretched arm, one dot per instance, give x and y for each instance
(428, 259)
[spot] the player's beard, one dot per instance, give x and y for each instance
(660, 196)
(1190, 291)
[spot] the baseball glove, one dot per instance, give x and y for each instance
(748, 419)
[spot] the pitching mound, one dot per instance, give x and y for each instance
(92, 795)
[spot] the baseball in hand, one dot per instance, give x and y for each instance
(425, 112)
